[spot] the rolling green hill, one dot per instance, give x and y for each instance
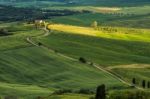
(43, 62)
(40, 67)
(118, 55)
(124, 20)
(28, 71)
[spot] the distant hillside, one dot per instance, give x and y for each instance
(93, 2)
(112, 2)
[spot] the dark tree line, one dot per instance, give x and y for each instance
(4, 32)
(144, 83)
(9, 13)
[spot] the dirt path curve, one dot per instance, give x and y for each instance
(29, 39)
(115, 76)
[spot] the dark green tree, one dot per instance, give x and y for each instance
(100, 92)
(143, 83)
(81, 59)
(133, 81)
(39, 43)
(148, 84)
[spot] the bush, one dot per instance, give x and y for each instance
(133, 94)
(85, 91)
(39, 43)
(63, 91)
(81, 59)
(4, 32)
(56, 51)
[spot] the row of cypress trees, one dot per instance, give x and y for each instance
(144, 83)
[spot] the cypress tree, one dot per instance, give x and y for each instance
(133, 81)
(143, 83)
(148, 84)
(101, 92)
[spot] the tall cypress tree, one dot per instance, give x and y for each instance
(133, 81)
(101, 92)
(143, 83)
(148, 84)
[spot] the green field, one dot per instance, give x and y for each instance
(40, 67)
(36, 62)
(123, 20)
(107, 52)
(40, 71)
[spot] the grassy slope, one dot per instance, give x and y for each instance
(33, 67)
(23, 91)
(106, 52)
(112, 3)
(121, 34)
(123, 52)
(135, 21)
(39, 67)
(18, 40)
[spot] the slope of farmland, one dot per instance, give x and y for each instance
(124, 49)
(43, 68)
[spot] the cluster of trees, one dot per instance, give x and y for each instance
(96, 26)
(144, 83)
(4, 32)
(132, 94)
(9, 13)
(100, 92)
(108, 29)
(80, 91)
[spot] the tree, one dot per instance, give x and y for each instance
(81, 59)
(143, 83)
(133, 81)
(101, 92)
(148, 84)
(4, 32)
(94, 25)
(39, 43)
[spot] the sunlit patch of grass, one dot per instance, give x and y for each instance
(122, 33)
(74, 29)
